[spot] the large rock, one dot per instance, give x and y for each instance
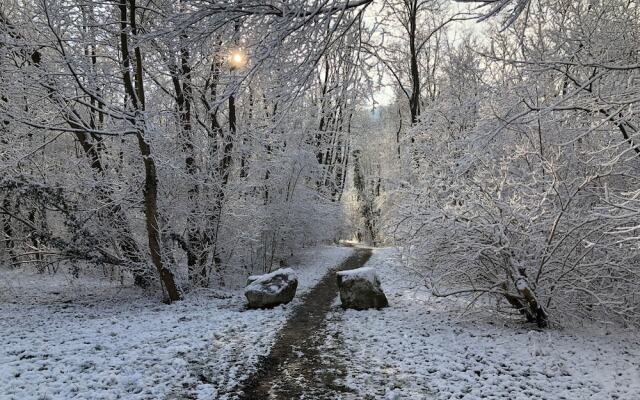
(360, 289)
(270, 290)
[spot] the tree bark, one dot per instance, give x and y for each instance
(414, 100)
(135, 95)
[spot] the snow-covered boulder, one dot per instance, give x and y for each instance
(269, 290)
(360, 289)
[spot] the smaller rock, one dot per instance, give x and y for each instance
(360, 289)
(270, 290)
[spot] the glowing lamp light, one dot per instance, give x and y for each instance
(237, 59)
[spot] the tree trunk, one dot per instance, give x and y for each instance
(7, 230)
(151, 215)
(137, 101)
(414, 100)
(195, 237)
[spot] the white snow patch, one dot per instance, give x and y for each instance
(420, 348)
(257, 281)
(86, 339)
(521, 284)
(362, 273)
(265, 277)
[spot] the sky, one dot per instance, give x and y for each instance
(384, 95)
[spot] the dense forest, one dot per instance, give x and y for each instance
(319, 199)
(183, 144)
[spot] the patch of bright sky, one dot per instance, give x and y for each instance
(386, 93)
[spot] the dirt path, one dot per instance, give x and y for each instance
(295, 368)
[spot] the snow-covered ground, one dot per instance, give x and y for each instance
(419, 348)
(79, 339)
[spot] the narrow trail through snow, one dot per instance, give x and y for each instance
(294, 367)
